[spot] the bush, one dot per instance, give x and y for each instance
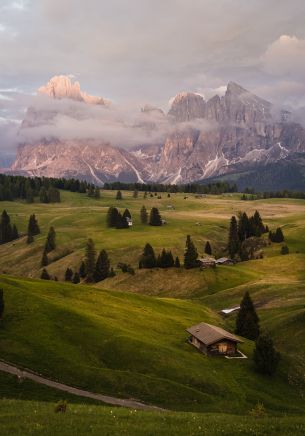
(284, 249)
(61, 406)
(258, 411)
(266, 358)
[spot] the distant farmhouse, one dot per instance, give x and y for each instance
(129, 221)
(213, 340)
(210, 262)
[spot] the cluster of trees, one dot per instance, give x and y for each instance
(209, 188)
(126, 268)
(165, 259)
(116, 219)
(265, 357)
(95, 268)
(276, 236)
(25, 188)
(72, 277)
(274, 194)
(243, 229)
(8, 232)
(50, 195)
(94, 191)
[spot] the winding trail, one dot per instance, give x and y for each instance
(27, 374)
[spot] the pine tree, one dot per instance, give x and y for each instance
(45, 275)
(33, 227)
(190, 254)
(102, 267)
(148, 258)
(44, 259)
(208, 248)
(243, 227)
(266, 358)
(112, 216)
(279, 237)
(233, 243)
(258, 223)
(1, 304)
(119, 195)
(90, 255)
(51, 240)
(68, 275)
(143, 215)
(5, 228)
(121, 222)
(82, 270)
(155, 218)
(76, 278)
(177, 262)
(247, 321)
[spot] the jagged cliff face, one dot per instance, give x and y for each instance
(206, 139)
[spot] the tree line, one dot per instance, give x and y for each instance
(196, 188)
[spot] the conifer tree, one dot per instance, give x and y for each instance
(45, 275)
(247, 322)
(190, 254)
(177, 262)
(1, 304)
(148, 258)
(102, 267)
(121, 222)
(68, 275)
(143, 215)
(258, 223)
(233, 242)
(126, 214)
(112, 216)
(243, 227)
(266, 358)
(44, 259)
(6, 231)
(82, 270)
(33, 227)
(90, 255)
(208, 248)
(155, 218)
(76, 278)
(51, 240)
(119, 195)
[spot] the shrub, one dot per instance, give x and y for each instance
(61, 406)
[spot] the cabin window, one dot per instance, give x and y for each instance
(222, 348)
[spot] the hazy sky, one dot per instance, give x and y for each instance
(148, 50)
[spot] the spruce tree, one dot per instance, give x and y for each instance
(6, 230)
(119, 195)
(243, 227)
(279, 237)
(112, 217)
(258, 223)
(1, 304)
(68, 275)
(208, 248)
(51, 240)
(44, 259)
(148, 258)
(155, 218)
(143, 215)
(90, 255)
(45, 275)
(33, 227)
(190, 254)
(247, 321)
(121, 222)
(266, 358)
(76, 278)
(177, 262)
(233, 242)
(102, 267)
(82, 270)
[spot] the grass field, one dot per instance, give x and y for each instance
(126, 336)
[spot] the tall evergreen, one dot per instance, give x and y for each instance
(1, 304)
(148, 258)
(165, 259)
(243, 226)
(68, 275)
(233, 242)
(155, 218)
(90, 255)
(266, 358)
(44, 259)
(119, 195)
(177, 262)
(33, 226)
(258, 223)
(45, 275)
(82, 270)
(208, 248)
(112, 216)
(190, 254)
(102, 267)
(121, 222)
(6, 231)
(51, 240)
(143, 215)
(247, 321)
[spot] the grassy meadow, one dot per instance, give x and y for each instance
(125, 336)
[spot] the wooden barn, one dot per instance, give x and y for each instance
(213, 340)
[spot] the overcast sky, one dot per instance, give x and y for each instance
(148, 50)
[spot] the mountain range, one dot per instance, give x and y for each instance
(235, 134)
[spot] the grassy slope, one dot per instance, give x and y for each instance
(129, 345)
(32, 418)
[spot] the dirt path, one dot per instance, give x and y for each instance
(27, 374)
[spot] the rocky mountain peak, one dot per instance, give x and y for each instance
(63, 87)
(187, 106)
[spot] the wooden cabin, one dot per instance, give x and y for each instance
(213, 340)
(224, 261)
(206, 262)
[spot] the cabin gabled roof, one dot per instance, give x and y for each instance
(209, 334)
